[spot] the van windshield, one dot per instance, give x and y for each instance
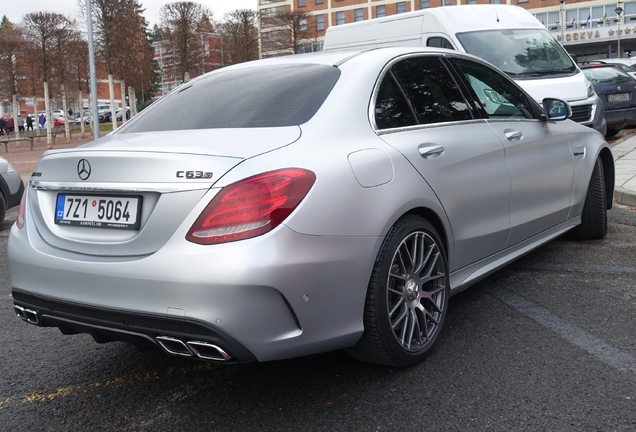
(519, 52)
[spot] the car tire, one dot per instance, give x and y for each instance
(611, 132)
(594, 216)
(3, 208)
(407, 297)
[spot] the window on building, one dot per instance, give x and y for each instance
(473, 1)
(318, 2)
(400, 7)
(495, 1)
(358, 14)
(522, 1)
(425, 4)
(320, 22)
(340, 18)
(380, 11)
(302, 3)
(303, 25)
(446, 3)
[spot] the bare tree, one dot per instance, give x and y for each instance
(183, 24)
(116, 23)
(240, 30)
(11, 48)
(65, 38)
(43, 28)
(300, 28)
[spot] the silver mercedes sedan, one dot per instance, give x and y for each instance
(301, 204)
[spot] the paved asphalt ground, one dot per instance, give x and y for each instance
(546, 344)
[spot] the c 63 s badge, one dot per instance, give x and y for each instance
(194, 175)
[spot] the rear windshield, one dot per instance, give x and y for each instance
(606, 75)
(262, 96)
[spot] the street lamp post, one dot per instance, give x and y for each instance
(561, 21)
(619, 11)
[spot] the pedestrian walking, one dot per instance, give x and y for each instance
(42, 121)
(29, 122)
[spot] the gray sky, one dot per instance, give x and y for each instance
(14, 9)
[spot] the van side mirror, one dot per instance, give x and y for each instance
(556, 110)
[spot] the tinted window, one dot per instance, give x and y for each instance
(431, 90)
(498, 96)
(266, 96)
(439, 42)
(391, 109)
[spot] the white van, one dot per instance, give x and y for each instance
(509, 37)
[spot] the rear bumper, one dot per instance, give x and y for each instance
(141, 330)
(277, 296)
(619, 118)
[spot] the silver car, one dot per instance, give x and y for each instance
(301, 204)
(11, 187)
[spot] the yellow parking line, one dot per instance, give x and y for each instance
(73, 390)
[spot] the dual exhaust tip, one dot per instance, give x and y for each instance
(202, 350)
(27, 315)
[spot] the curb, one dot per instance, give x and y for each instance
(624, 196)
(621, 195)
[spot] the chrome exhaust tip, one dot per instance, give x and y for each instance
(208, 351)
(27, 315)
(174, 346)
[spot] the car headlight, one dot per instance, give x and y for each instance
(10, 168)
(590, 90)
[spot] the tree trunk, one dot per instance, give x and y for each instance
(16, 114)
(132, 101)
(111, 89)
(67, 130)
(49, 120)
(123, 101)
(81, 114)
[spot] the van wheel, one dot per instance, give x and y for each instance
(611, 132)
(3, 208)
(594, 217)
(407, 297)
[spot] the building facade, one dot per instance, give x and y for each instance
(588, 29)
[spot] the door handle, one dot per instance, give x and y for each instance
(513, 135)
(430, 152)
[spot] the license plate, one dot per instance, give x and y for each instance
(115, 212)
(618, 97)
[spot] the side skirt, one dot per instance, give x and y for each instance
(463, 278)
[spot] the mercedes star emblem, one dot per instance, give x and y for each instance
(83, 169)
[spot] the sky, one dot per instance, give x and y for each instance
(14, 10)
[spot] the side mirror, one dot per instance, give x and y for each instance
(556, 110)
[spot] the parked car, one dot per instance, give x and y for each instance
(121, 113)
(625, 65)
(11, 187)
(301, 204)
(617, 91)
(104, 117)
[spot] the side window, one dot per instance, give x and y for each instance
(391, 109)
(498, 96)
(439, 42)
(431, 90)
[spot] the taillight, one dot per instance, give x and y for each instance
(20, 220)
(251, 207)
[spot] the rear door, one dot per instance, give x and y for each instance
(420, 111)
